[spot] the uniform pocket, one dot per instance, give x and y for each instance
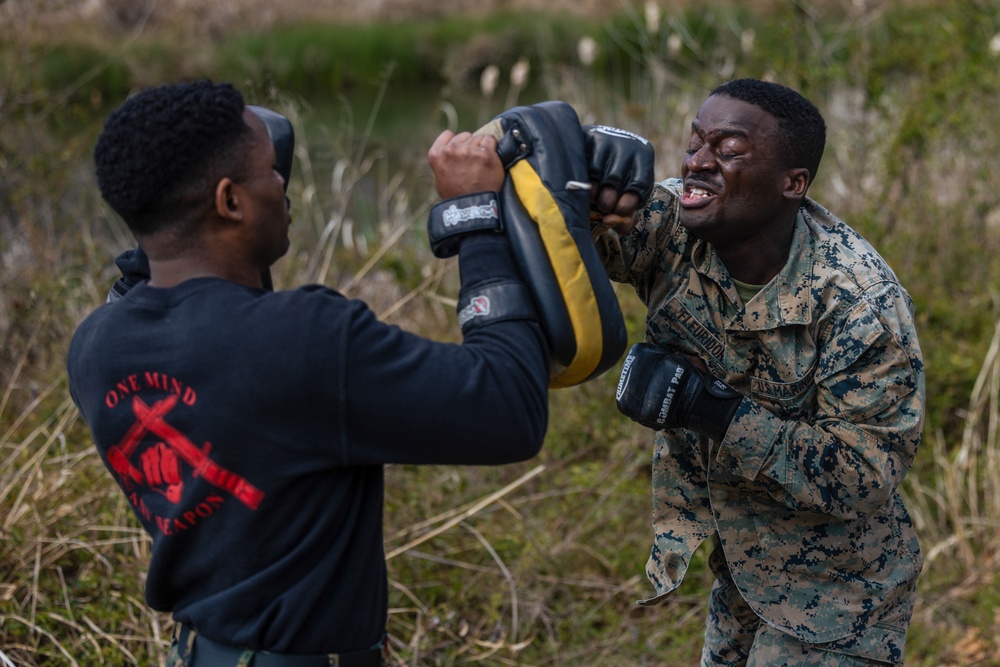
(794, 400)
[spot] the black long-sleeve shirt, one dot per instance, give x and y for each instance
(248, 430)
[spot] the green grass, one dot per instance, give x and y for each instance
(546, 572)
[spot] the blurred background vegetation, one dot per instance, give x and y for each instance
(538, 563)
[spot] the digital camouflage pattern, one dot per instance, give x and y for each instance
(802, 492)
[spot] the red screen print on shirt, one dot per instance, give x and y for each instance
(161, 464)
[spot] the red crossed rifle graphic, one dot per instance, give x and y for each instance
(149, 419)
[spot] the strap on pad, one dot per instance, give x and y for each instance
(495, 301)
(451, 219)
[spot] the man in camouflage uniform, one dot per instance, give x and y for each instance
(784, 379)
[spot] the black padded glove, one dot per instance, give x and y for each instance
(620, 159)
(662, 390)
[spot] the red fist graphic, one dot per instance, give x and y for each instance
(163, 471)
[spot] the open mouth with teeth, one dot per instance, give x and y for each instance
(695, 197)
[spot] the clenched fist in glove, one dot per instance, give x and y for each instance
(620, 166)
(662, 390)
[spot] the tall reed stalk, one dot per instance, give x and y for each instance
(958, 514)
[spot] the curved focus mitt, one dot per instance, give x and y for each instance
(545, 208)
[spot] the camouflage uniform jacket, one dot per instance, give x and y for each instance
(802, 491)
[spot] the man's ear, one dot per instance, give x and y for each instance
(797, 182)
(227, 201)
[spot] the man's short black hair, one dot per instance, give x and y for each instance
(162, 152)
(800, 121)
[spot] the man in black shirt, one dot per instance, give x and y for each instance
(249, 428)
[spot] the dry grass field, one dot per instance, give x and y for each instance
(537, 564)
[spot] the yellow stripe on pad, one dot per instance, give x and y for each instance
(567, 264)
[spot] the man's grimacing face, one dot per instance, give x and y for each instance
(734, 174)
